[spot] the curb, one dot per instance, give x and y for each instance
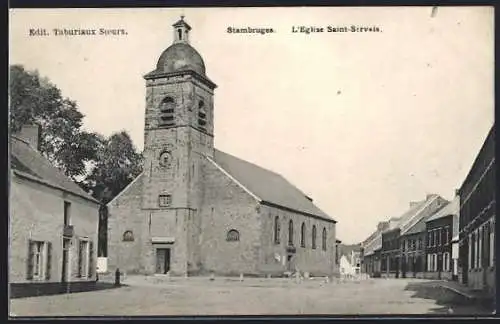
(457, 291)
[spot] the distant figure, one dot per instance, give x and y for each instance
(96, 277)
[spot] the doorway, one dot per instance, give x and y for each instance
(65, 259)
(162, 260)
(289, 262)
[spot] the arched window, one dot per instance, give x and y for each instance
(290, 233)
(277, 230)
(167, 108)
(233, 235)
(303, 235)
(314, 237)
(202, 115)
(323, 239)
(128, 236)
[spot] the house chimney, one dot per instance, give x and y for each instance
(381, 226)
(413, 203)
(30, 134)
(429, 196)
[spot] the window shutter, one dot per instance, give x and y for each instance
(79, 263)
(29, 261)
(49, 260)
(91, 259)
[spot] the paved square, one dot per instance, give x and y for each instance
(229, 296)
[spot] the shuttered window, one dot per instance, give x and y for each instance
(39, 260)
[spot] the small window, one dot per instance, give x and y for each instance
(233, 235)
(128, 236)
(179, 32)
(165, 200)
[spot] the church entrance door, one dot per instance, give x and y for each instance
(162, 261)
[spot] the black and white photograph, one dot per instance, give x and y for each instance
(272, 161)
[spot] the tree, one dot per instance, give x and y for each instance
(101, 166)
(34, 99)
(117, 164)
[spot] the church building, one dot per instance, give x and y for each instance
(196, 210)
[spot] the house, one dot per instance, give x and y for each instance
(439, 231)
(413, 250)
(346, 266)
(52, 223)
(370, 250)
(391, 254)
(197, 210)
(477, 219)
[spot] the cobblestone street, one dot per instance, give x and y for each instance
(228, 296)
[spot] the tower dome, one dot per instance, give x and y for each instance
(180, 56)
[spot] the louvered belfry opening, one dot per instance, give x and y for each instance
(167, 111)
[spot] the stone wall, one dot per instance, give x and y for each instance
(228, 206)
(125, 214)
(37, 213)
(315, 261)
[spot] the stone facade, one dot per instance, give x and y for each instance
(187, 209)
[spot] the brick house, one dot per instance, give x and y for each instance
(391, 254)
(52, 224)
(477, 220)
(413, 250)
(439, 233)
(196, 209)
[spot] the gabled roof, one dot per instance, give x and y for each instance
(413, 216)
(417, 228)
(28, 163)
(451, 208)
(269, 187)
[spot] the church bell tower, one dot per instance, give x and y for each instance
(178, 134)
(178, 122)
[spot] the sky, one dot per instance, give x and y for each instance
(363, 123)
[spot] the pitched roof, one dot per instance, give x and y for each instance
(268, 186)
(450, 209)
(418, 227)
(30, 164)
(418, 211)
